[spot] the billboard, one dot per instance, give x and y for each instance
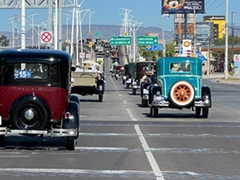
(219, 25)
(182, 6)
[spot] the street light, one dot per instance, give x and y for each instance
(13, 20)
(32, 19)
(226, 43)
(80, 24)
(68, 16)
(89, 23)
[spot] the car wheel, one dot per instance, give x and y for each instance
(154, 111)
(30, 115)
(134, 91)
(205, 112)
(123, 81)
(70, 144)
(100, 98)
(197, 111)
(182, 94)
(144, 102)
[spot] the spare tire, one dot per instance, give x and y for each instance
(182, 94)
(29, 114)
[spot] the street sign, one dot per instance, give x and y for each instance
(147, 40)
(82, 55)
(46, 37)
(99, 34)
(120, 40)
(158, 47)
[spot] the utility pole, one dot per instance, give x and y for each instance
(226, 43)
(134, 28)
(194, 36)
(209, 37)
(232, 35)
(32, 18)
(55, 26)
(89, 23)
(23, 33)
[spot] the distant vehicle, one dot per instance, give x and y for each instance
(35, 97)
(88, 82)
(179, 85)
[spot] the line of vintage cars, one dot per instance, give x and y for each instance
(169, 82)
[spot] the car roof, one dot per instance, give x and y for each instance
(48, 55)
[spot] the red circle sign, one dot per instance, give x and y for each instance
(46, 37)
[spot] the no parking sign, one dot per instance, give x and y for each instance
(46, 37)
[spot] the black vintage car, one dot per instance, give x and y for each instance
(35, 97)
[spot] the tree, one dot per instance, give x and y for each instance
(149, 55)
(170, 49)
(4, 41)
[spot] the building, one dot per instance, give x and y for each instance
(219, 25)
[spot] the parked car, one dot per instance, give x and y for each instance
(35, 95)
(179, 85)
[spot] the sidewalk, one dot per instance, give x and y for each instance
(220, 77)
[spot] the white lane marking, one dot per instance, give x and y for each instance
(75, 171)
(149, 155)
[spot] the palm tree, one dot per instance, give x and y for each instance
(170, 49)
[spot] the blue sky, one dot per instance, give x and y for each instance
(109, 12)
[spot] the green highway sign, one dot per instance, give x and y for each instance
(99, 34)
(147, 40)
(120, 40)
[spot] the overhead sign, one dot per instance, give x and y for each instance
(46, 37)
(183, 6)
(147, 40)
(158, 47)
(120, 40)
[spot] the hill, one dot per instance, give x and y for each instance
(103, 32)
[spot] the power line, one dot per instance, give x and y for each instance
(218, 5)
(212, 3)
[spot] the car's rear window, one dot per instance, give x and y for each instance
(30, 71)
(180, 67)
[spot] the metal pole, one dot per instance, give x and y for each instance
(55, 27)
(77, 49)
(60, 3)
(73, 18)
(164, 48)
(195, 38)
(38, 36)
(208, 59)
(32, 18)
(23, 34)
(226, 43)
(232, 36)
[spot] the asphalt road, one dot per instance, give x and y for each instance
(118, 140)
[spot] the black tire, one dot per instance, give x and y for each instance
(123, 81)
(182, 94)
(144, 103)
(205, 112)
(100, 97)
(70, 144)
(197, 111)
(134, 91)
(38, 122)
(154, 111)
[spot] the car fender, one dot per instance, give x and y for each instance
(206, 92)
(73, 122)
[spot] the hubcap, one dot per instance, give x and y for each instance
(182, 93)
(29, 114)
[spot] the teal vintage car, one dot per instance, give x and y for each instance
(179, 85)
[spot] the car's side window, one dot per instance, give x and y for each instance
(30, 71)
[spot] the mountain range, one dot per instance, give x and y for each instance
(104, 32)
